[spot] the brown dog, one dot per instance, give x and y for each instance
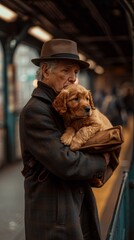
(82, 119)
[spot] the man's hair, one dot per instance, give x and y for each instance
(50, 66)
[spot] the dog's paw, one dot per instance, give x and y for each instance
(75, 146)
(66, 139)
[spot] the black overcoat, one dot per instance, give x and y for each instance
(59, 203)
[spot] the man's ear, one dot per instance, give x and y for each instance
(45, 71)
(91, 101)
(60, 102)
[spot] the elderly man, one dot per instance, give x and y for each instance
(59, 203)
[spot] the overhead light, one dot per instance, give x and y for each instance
(82, 56)
(40, 33)
(92, 64)
(35, 81)
(7, 14)
(99, 69)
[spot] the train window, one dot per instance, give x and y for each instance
(24, 73)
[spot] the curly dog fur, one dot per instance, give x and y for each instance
(82, 119)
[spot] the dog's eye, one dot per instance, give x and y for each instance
(87, 98)
(76, 99)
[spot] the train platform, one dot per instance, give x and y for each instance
(12, 194)
(106, 197)
(11, 203)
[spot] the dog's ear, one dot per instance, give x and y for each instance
(60, 102)
(91, 101)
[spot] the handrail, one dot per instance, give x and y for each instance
(113, 225)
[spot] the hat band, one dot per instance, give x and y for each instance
(66, 55)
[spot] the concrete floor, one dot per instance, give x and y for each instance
(11, 203)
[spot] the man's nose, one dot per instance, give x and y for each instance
(72, 77)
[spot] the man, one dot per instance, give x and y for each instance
(59, 203)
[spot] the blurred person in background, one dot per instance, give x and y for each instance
(59, 202)
(127, 92)
(113, 107)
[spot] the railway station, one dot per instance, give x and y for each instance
(104, 33)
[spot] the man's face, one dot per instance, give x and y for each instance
(62, 75)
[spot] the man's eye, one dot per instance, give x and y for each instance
(65, 70)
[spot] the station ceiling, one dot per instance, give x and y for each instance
(102, 28)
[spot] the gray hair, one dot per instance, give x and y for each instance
(50, 66)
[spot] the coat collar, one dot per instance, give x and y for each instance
(44, 91)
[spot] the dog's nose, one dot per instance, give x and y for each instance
(87, 109)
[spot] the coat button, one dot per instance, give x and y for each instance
(81, 191)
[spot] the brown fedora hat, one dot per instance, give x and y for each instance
(60, 49)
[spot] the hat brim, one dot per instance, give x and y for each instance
(82, 64)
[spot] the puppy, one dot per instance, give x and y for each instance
(82, 120)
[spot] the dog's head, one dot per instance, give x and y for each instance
(74, 100)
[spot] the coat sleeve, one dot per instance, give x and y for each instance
(40, 138)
